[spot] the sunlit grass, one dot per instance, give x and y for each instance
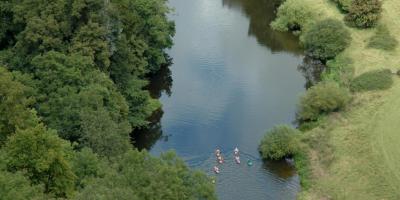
(366, 137)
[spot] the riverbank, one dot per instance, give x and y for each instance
(355, 154)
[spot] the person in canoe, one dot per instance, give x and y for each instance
(236, 151)
(220, 159)
(237, 159)
(216, 169)
(217, 153)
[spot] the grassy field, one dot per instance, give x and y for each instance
(356, 153)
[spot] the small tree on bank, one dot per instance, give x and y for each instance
(326, 39)
(280, 142)
(322, 98)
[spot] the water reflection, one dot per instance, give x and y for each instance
(311, 70)
(261, 13)
(146, 137)
(161, 82)
(282, 168)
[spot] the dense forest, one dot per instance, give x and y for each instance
(72, 74)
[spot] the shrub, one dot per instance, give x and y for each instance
(280, 142)
(383, 39)
(373, 80)
(325, 39)
(322, 98)
(364, 13)
(339, 70)
(292, 15)
(344, 5)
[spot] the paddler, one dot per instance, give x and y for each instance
(217, 152)
(237, 159)
(216, 169)
(220, 159)
(236, 151)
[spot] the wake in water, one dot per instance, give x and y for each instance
(231, 173)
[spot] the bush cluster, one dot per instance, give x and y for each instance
(364, 13)
(383, 39)
(373, 80)
(322, 98)
(292, 15)
(326, 39)
(280, 142)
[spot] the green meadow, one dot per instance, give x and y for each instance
(355, 153)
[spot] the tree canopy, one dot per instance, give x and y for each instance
(72, 79)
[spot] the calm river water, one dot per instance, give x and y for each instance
(232, 78)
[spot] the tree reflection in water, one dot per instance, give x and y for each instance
(282, 168)
(261, 13)
(161, 82)
(146, 137)
(311, 70)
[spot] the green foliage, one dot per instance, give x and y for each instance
(102, 134)
(91, 40)
(364, 13)
(280, 142)
(15, 102)
(140, 104)
(292, 15)
(8, 29)
(146, 20)
(372, 80)
(43, 157)
(14, 186)
(82, 66)
(339, 70)
(383, 39)
(309, 125)
(320, 99)
(344, 4)
(91, 97)
(123, 61)
(140, 176)
(87, 166)
(123, 39)
(326, 39)
(302, 165)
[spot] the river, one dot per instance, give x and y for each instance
(231, 80)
